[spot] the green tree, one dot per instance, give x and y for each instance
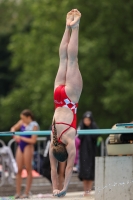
(7, 22)
(105, 59)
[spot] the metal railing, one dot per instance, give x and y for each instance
(2, 143)
(7, 164)
(102, 150)
(2, 164)
(6, 170)
(79, 132)
(40, 148)
(106, 143)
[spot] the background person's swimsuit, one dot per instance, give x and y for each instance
(23, 144)
(62, 100)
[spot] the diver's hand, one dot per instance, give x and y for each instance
(62, 193)
(56, 192)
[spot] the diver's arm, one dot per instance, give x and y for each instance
(53, 164)
(69, 168)
(70, 163)
(54, 175)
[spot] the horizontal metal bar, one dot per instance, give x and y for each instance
(80, 132)
(124, 124)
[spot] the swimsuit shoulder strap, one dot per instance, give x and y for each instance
(64, 130)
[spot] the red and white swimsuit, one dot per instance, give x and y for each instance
(62, 100)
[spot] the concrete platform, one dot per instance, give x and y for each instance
(41, 185)
(114, 178)
(69, 196)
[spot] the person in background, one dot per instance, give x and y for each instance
(87, 152)
(25, 149)
(76, 162)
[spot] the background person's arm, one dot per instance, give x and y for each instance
(31, 140)
(16, 126)
(69, 168)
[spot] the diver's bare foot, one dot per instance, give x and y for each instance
(70, 17)
(77, 16)
(86, 194)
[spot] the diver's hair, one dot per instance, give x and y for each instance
(59, 149)
(55, 140)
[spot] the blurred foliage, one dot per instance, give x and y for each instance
(33, 31)
(7, 22)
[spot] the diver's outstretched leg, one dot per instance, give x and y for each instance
(73, 76)
(61, 74)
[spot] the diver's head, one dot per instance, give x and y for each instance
(60, 152)
(59, 149)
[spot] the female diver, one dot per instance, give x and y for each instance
(67, 91)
